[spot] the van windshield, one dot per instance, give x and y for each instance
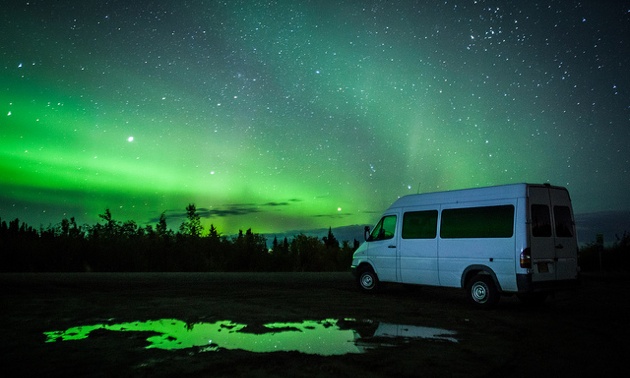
(384, 229)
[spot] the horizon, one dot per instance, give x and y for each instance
(610, 225)
(302, 115)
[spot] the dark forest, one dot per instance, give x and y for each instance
(115, 246)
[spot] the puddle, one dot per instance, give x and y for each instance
(323, 337)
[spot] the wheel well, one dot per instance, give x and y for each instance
(474, 270)
(364, 266)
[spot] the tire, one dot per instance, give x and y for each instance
(368, 281)
(482, 292)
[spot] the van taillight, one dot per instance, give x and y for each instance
(526, 258)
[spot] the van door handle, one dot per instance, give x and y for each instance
(391, 246)
(559, 246)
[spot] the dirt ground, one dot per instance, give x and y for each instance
(577, 333)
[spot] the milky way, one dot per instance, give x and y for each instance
(287, 115)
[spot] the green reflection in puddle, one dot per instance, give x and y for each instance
(324, 337)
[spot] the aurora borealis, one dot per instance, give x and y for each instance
(291, 115)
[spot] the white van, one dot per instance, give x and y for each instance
(510, 239)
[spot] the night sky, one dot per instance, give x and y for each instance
(296, 115)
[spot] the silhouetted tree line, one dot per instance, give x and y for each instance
(596, 257)
(114, 246)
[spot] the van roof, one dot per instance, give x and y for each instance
(466, 195)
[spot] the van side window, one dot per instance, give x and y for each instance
(385, 229)
(564, 224)
(541, 221)
(478, 222)
(420, 224)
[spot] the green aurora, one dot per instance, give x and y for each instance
(297, 115)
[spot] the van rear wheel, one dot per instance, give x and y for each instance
(368, 281)
(482, 291)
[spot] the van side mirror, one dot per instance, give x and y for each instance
(366, 233)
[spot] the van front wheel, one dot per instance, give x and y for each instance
(482, 292)
(368, 281)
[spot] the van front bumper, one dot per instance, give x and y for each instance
(353, 270)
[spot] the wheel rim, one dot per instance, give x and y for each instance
(479, 292)
(367, 281)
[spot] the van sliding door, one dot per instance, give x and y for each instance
(418, 247)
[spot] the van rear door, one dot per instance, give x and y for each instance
(552, 234)
(566, 247)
